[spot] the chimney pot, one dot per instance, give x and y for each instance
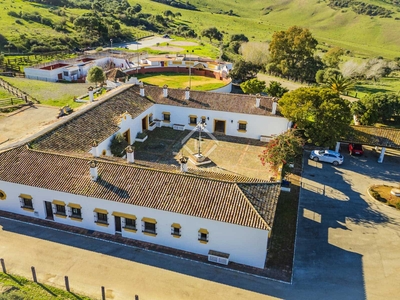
(91, 94)
(141, 89)
(258, 99)
(274, 106)
(95, 148)
(165, 91)
(130, 154)
(187, 93)
(94, 174)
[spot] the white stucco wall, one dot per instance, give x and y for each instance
(45, 75)
(225, 89)
(245, 245)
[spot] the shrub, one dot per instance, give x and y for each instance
(118, 145)
(141, 135)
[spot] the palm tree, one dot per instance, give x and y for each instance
(339, 83)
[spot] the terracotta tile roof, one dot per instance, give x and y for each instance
(98, 123)
(373, 136)
(238, 103)
(180, 193)
(115, 74)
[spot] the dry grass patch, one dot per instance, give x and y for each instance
(382, 194)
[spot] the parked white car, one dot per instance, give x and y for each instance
(329, 156)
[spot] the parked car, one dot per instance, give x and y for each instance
(356, 149)
(329, 156)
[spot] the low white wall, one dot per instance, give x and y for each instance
(225, 89)
(245, 245)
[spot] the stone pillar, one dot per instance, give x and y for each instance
(274, 106)
(165, 91)
(337, 148)
(258, 100)
(95, 148)
(183, 161)
(93, 170)
(382, 155)
(91, 94)
(187, 93)
(130, 154)
(141, 89)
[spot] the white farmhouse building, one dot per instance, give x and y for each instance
(56, 176)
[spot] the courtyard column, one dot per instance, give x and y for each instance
(382, 155)
(337, 148)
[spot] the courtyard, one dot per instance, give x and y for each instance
(229, 155)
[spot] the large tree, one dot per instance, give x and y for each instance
(253, 86)
(96, 75)
(243, 71)
(292, 54)
(321, 113)
(212, 33)
(275, 89)
(379, 107)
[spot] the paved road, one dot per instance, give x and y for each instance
(347, 248)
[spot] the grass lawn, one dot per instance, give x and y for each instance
(176, 81)
(390, 84)
(382, 194)
(17, 287)
(50, 93)
(4, 94)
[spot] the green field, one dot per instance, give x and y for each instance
(181, 81)
(50, 93)
(257, 19)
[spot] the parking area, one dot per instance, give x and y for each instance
(347, 244)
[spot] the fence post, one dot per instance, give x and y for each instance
(66, 283)
(3, 266)
(103, 293)
(34, 274)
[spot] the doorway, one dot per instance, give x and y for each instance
(127, 136)
(219, 126)
(117, 224)
(144, 123)
(49, 210)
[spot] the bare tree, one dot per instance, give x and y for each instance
(255, 52)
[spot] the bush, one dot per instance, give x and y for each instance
(141, 135)
(118, 145)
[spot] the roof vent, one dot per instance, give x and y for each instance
(187, 93)
(130, 157)
(95, 148)
(274, 105)
(141, 86)
(258, 99)
(165, 91)
(94, 174)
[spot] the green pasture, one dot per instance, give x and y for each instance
(389, 84)
(181, 81)
(50, 93)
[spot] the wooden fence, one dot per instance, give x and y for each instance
(11, 101)
(17, 92)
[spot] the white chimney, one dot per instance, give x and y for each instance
(165, 91)
(91, 92)
(183, 160)
(187, 93)
(141, 89)
(258, 99)
(93, 170)
(274, 106)
(95, 148)
(130, 154)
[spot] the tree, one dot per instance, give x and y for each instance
(252, 86)
(282, 149)
(118, 145)
(292, 54)
(212, 33)
(275, 89)
(243, 71)
(379, 107)
(321, 113)
(339, 84)
(332, 57)
(96, 75)
(239, 38)
(322, 76)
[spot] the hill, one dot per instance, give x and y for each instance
(366, 27)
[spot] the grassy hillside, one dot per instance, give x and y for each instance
(258, 19)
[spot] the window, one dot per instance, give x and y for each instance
(149, 226)
(203, 235)
(66, 73)
(26, 201)
(193, 120)
(167, 116)
(75, 211)
(176, 230)
(130, 223)
(242, 126)
(101, 217)
(60, 209)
